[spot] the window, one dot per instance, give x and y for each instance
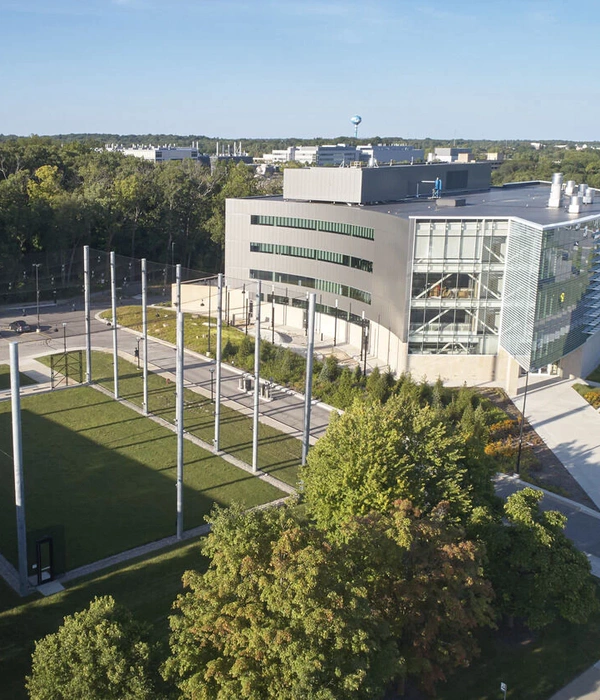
(314, 225)
(312, 283)
(312, 254)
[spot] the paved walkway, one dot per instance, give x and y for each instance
(568, 425)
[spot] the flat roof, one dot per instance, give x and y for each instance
(529, 202)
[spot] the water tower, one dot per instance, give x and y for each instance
(356, 120)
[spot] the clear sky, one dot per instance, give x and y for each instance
(282, 68)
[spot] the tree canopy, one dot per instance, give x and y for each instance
(97, 654)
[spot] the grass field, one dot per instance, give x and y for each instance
(101, 478)
(5, 378)
(278, 453)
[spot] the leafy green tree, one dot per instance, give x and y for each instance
(277, 615)
(376, 454)
(536, 571)
(97, 654)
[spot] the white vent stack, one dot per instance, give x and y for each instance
(570, 188)
(575, 205)
(588, 197)
(555, 191)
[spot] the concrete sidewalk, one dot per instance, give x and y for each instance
(568, 425)
(584, 687)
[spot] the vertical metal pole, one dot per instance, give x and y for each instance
(18, 466)
(335, 324)
(113, 294)
(86, 304)
(273, 315)
(209, 314)
(37, 293)
(310, 349)
(256, 380)
(518, 468)
(145, 333)
(219, 351)
(179, 405)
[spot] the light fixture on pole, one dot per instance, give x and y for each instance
(212, 385)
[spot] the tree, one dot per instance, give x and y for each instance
(277, 615)
(376, 454)
(536, 571)
(97, 654)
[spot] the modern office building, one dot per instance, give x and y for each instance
(471, 284)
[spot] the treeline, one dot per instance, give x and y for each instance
(391, 567)
(57, 196)
(528, 164)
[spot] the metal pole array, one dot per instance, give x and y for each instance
(310, 349)
(15, 391)
(86, 302)
(219, 351)
(179, 405)
(145, 333)
(113, 294)
(256, 381)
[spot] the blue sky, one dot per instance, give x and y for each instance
(493, 69)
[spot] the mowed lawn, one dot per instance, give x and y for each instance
(278, 454)
(100, 478)
(5, 378)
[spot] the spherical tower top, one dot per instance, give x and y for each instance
(356, 120)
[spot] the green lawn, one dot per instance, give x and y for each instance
(5, 378)
(278, 453)
(147, 587)
(100, 478)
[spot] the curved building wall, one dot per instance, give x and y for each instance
(368, 270)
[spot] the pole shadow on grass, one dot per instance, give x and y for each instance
(107, 500)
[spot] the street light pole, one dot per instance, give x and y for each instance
(518, 467)
(212, 390)
(37, 294)
(335, 324)
(209, 313)
(273, 315)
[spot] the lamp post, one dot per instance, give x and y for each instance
(65, 337)
(335, 324)
(37, 293)
(212, 377)
(209, 318)
(273, 314)
(518, 467)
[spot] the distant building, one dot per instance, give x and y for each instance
(161, 154)
(341, 154)
(450, 155)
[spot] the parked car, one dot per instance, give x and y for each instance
(20, 326)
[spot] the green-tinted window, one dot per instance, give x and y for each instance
(314, 225)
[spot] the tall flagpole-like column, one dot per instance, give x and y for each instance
(310, 349)
(179, 405)
(15, 392)
(113, 294)
(86, 303)
(219, 350)
(145, 333)
(256, 380)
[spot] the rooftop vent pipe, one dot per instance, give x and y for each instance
(575, 207)
(555, 191)
(570, 188)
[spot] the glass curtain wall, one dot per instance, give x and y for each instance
(564, 305)
(458, 274)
